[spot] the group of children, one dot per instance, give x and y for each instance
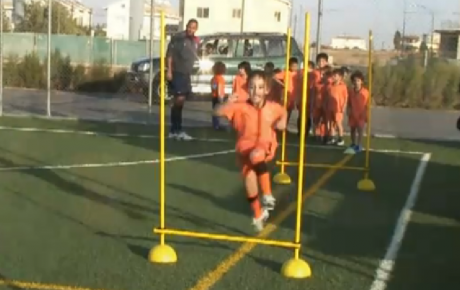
(255, 111)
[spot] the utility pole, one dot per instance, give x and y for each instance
(403, 39)
(318, 28)
(243, 8)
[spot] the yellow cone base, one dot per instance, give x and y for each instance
(366, 185)
(282, 178)
(296, 269)
(162, 254)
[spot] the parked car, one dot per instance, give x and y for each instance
(231, 49)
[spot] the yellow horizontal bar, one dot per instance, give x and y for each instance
(319, 165)
(228, 238)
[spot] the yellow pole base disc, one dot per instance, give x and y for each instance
(162, 254)
(282, 178)
(296, 269)
(366, 185)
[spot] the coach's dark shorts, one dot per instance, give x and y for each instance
(180, 85)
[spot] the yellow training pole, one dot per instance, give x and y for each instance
(282, 177)
(162, 253)
(366, 184)
(296, 267)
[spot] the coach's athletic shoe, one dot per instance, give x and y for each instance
(259, 222)
(184, 136)
(172, 135)
(268, 202)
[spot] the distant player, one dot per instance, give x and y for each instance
(294, 84)
(255, 122)
(217, 90)
(358, 100)
(335, 104)
(240, 82)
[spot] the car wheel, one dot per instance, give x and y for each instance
(156, 91)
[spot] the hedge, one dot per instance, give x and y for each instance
(406, 84)
(30, 72)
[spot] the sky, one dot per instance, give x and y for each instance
(340, 17)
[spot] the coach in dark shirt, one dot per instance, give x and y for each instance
(180, 57)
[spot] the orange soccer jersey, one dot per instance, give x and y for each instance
(218, 86)
(357, 106)
(335, 101)
(294, 86)
(254, 128)
(240, 88)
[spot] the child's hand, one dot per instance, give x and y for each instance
(280, 124)
(232, 98)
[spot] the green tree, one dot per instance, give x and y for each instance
(397, 40)
(36, 20)
(99, 31)
(6, 23)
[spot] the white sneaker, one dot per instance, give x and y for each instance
(259, 223)
(172, 135)
(268, 202)
(184, 136)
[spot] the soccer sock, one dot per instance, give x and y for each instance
(254, 202)
(179, 117)
(174, 117)
(265, 183)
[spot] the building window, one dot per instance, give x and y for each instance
(278, 16)
(236, 13)
(202, 12)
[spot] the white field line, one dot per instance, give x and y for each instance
(211, 140)
(384, 271)
(114, 164)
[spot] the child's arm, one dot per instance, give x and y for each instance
(281, 123)
(345, 99)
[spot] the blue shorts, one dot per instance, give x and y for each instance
(180, 85)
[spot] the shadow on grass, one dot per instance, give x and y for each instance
(345, 226)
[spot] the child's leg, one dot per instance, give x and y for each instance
(353, 132)
(258, 159)
(360, 131)
(250, 182)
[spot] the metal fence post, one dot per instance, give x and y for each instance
(1, 59)
(48, 74)
(152, 27)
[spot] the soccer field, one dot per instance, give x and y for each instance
(79, 200)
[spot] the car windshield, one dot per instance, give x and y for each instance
(263, 46)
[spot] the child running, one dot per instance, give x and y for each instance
(357, 111)
(335, 105)
(217, 90)
(240, 82)
(255, 122)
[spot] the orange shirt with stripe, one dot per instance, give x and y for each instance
(336, 97)
(294, 85)
(218, 86)
(357, 104)
(254, 126)
(241, 88)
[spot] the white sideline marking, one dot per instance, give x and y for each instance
(383, 273)
(141, 136)
(115, 164)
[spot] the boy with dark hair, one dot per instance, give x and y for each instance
(294, 85)
(358, 102)
(240, 82)
(335, 104)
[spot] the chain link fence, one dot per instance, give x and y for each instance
(416, 73)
